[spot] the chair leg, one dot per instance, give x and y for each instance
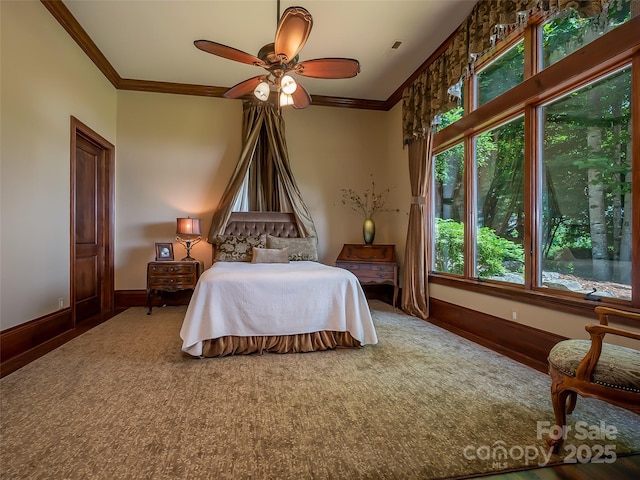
(571, 401)
(563, 401)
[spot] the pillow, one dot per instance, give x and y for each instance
(270, 255)
(232, 248)
(299, 248)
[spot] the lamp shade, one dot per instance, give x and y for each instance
(285, 99)
(188, 226)
(288, 85)
(262, 91)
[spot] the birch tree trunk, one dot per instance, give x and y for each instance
(597, 219)
(625, 235)
(617, 202)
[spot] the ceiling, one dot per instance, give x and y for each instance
(152, 40)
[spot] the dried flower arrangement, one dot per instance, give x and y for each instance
(369, 202)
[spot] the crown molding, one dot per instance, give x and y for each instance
(349, 102)
(169, 87)
(62, 14)
(64, 17)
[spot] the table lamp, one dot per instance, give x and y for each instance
(188, 234)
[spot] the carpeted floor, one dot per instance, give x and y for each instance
(123, 402)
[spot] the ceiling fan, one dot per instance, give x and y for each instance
(280, 59)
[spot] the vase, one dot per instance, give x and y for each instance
(368, 231)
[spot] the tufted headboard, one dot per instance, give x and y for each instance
(253, 224)
(256, 223)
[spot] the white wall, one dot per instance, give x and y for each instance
(176, 154)
(45, 79)
(338, 148)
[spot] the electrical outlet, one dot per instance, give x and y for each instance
(61, 302)
(514, 314)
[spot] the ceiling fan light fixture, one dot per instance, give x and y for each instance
(285, 100)
(262, 91)
(280, 58)
(288, 85)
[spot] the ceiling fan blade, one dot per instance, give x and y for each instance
(243, 88)
(228, 52)
(301, 98)
(293, 30)
(328, 68)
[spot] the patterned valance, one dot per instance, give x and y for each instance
(434, 91)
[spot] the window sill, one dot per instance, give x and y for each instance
(568, 302)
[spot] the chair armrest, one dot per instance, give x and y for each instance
(597, 332)
(601, 330)
(604, 312)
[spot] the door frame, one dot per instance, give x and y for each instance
(107, 191)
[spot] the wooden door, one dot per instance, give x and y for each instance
(92, 258)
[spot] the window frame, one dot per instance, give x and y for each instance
(473, 205)
(593, 61)
(503, 49)
(433, 216)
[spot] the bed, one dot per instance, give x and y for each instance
(269, 304)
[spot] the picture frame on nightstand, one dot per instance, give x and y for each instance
(164, 252)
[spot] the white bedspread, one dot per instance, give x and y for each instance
(251, 299)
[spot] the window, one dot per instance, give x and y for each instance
(500, 203)
(449, 211)
(586, 222)
(456, 113)
(500, 75)
(567, 32)
(445, 119)
(533, 195)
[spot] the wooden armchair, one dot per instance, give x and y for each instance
(592, 368)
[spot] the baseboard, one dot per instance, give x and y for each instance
(381, 292)
(25, 343)
(138, 298)
(18, 339)
(46, 332)
(130, 298)
(522, 343)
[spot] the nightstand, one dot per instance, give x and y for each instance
(171, 277)
(371, 264)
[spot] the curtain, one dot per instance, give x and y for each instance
(262, 180)
(436, 90)
(415, 289)
(426, 97)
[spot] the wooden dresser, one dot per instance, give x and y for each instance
(170, 276)
(371, 264)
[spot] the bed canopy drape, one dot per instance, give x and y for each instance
(262, 180)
